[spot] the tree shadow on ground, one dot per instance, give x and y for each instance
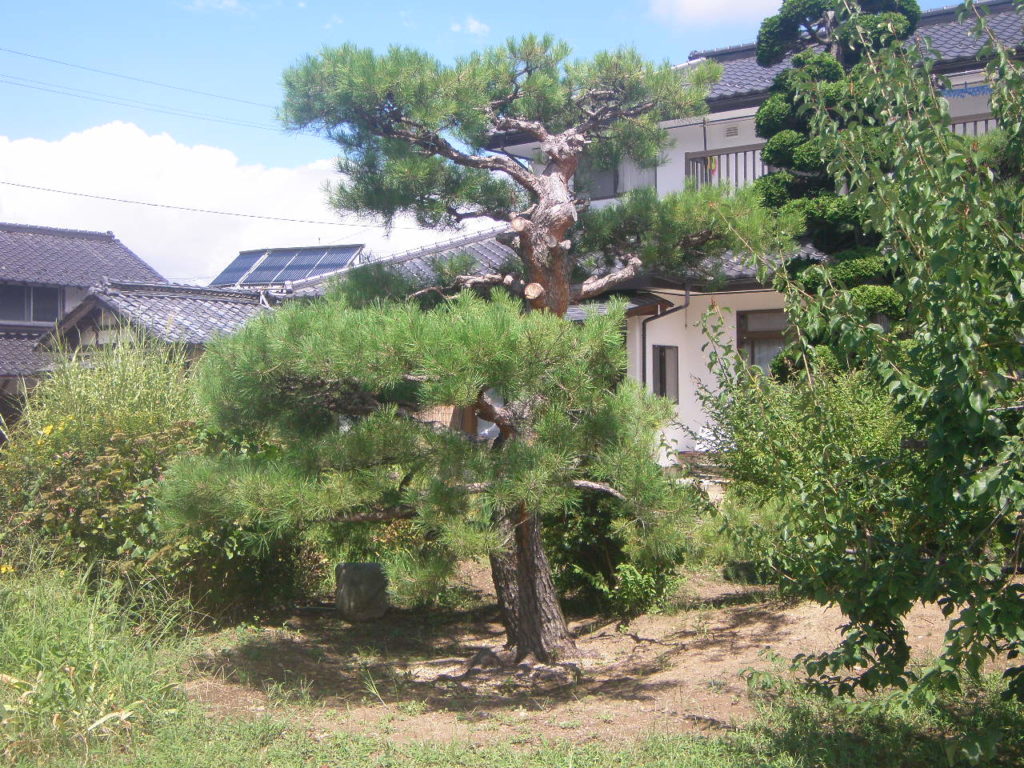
(420, 657)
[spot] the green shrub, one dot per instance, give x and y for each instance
(778, 150)
(833, 223)
(81, 469)
(773, 188)
(858, 266)
(809, 157)
(878, 300)
(846, 427)
(776, 114)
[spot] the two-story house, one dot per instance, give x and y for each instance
(44, 274)
(666, 342)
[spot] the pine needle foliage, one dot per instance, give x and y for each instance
(371, 104)
(347, 396)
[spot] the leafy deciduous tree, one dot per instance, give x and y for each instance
(950, 224)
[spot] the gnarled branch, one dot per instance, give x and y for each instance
(595, 286)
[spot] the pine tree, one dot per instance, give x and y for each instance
(421, 137)
(339, 395)
(337, 388)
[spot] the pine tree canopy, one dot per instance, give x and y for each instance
(428, 139)
(421, 136)
(341, 399)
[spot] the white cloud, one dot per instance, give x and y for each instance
(121, 160)
(471, 26)
(334, 21)
(712, 11)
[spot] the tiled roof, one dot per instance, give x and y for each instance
(578, 312)
(487, 253)
(18, 355)
(67, 257)
(178, 313)
(742, 76)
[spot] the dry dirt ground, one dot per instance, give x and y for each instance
(406, 676)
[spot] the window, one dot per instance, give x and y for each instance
(761, 335)
(666, 372)
(604, 183)
(29, 304)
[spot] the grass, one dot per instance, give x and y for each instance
(82, 659)
(90, 675)
(794, 730)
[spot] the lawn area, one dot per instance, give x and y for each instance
(417, 688)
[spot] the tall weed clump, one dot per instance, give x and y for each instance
(83, 659)
(93, 437)
(82, 464)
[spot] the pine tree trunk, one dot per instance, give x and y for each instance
(503, 572)
(542, 631)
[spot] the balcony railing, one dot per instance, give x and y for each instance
(737, 166)
(976, 125)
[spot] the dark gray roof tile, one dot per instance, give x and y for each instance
(181, 314)
(18, 353)
(67, 257)
(952, 39)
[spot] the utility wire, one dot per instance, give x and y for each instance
(61, 91)
(198, 210)
(133, 102)
(137, 79)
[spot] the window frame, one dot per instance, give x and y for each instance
(744, 336)
(662, 383)
(29, 304)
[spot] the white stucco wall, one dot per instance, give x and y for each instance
(684, 329)
(73, 297)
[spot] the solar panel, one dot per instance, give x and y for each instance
(335, 258)
(269, 269)
(233, 272)
(301, 266)
(280, 265)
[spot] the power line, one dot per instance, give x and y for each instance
(64, 91)
(125, 101)
(138, 79)
(197, 210)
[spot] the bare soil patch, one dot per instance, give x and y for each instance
(407, 677)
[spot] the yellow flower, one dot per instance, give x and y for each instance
(5, 568)
(47, 429)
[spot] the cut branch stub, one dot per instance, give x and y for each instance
(533, 291)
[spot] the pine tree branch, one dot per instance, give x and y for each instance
(587, 485)
(461, 216)
(590, 485)
(378, 515)
(595, 286)
(433, 143)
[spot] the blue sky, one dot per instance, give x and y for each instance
(239, 48)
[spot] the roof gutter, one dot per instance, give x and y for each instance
(643, 333)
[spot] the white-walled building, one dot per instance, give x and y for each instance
(667, 346)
